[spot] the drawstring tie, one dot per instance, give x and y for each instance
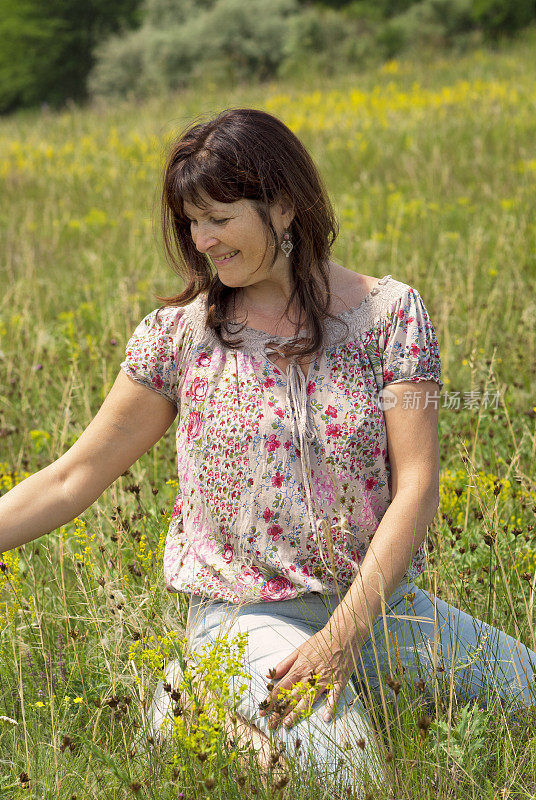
(304, 431)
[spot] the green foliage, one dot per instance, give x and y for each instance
(498, 17)
(236, 39)
(434, 23)
(465, 740)
(120, 65)
(46, 49)
(324, 40)
(63, 49)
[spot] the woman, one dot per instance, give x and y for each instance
(307, 453)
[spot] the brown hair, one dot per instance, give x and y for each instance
(245, 153)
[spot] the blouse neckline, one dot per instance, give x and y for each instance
(257, 333)
(255, 341)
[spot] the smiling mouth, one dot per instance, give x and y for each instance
(225, 260)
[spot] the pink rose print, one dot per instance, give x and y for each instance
(409, 319)
(273, 443)
(195, 425)
(248, 576)
(158, 382)
(414, 350)
(275, 532)
(278, 589)
(333, 430)
(268, 383)
(370, 483)
(331, 412)
(277, 480)
(228, 553)
(203, 360)
(311, 386)
(387, 375)
(267, 514)
(401, 314)
(198, 389)
(287, 445)
(280, 413)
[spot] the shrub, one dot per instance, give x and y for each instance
(324, 40)
(243, 38)
(498, 17)
(430, 22)
(120, 66)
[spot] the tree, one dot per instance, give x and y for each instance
(46, 46)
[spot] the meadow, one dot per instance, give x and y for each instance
(431, 166)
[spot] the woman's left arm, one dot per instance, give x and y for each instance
(412, 438)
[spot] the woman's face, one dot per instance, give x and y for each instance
(224, 228)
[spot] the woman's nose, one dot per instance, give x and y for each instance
(204, 241)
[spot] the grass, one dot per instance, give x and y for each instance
(432, 170)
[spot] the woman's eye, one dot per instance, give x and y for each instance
(216, 221)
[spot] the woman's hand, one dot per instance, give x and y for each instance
(324, 663)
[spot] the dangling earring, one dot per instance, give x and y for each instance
(286, 244)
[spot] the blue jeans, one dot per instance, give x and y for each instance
(441, 650)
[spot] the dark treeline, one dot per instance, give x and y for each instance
(53, 51)
(47, 46)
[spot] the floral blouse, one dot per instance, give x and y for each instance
(283, 480)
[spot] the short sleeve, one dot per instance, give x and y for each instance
(409, 347)
(153, 352)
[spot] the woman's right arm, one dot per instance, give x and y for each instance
(130, 421)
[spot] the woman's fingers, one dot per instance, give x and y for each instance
(280, 669)
(304, 704)
(333, 697)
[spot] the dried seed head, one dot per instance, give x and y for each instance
(424, 724)
(24, 780)
(392, 684)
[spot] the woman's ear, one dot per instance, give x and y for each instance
(286, 208)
